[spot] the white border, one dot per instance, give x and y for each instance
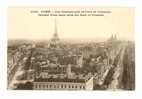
(69, 94)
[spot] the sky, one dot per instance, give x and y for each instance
(22, 24)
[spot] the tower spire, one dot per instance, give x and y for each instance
(55, 40)
(55, 35)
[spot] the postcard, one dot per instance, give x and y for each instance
(71, 48)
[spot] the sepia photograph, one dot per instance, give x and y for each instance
(71, 48)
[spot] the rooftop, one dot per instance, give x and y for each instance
(58, 79)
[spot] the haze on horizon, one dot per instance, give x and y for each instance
(24, 25)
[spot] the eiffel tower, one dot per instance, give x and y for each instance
(55, 40)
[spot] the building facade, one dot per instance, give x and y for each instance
(66, 84)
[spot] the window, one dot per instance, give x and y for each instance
(38, 86)
(72, 86)
(50, 86)
(83, 87)
(61, 86)
(46, 86)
